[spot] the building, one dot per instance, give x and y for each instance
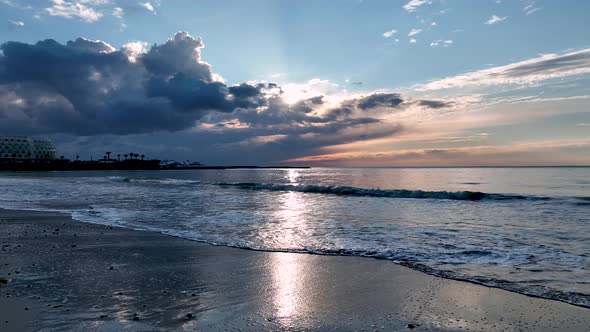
(26, 148)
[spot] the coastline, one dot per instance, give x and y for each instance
(72, 275)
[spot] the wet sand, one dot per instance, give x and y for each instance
(64, 275)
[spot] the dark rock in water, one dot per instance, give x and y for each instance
(103, 316)
(189, 316)
(74, 246)
(111, 268)
(411, 326)
(3, 280)
(193, 294)
(135, 318)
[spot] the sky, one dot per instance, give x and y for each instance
(318, 82)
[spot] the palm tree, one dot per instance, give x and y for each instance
(77, 158)
(142, 156)
(108, 155)
(125, 155)
(119, 157)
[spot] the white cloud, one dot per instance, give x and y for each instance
(412, 5)
(495, 19)
(526, 73)
(75, 9)
(583, 124)
(433, 24)
(18, 24)
(413, 41)
(134, 49)
(118, 12)
(294, 92)
(15, 4)
(441, 42)
(148, 6)
(390, 33)
(414, 32)
(529, 12)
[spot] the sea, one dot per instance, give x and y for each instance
(525, 230)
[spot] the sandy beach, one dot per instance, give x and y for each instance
(65, 275)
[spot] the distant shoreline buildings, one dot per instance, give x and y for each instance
(26, 148)
(23, 153)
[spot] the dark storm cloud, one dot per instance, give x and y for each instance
(434, 103)
(86, 94)
(87, 87)
(380, 100)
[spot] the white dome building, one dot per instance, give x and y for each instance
(22, 148)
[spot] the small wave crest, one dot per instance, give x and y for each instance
(158, 181)
(389, 193)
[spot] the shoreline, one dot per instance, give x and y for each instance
(60, 269)
(559, 296)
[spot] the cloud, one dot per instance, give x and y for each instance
(17, 24)
(15, 4)
(527, 72)
(118, 12)
(495, 19)
(380, 100)
(414, 32)
(533, 10)
(390, 33)
(522, 154)
(87, 87)
(148, 6)
(441, 42)
(75, 9)
(435, 103)
(413, 41)
(413, 5)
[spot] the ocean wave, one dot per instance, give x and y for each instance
(389, 193)
(531, 288)
(157, 180)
